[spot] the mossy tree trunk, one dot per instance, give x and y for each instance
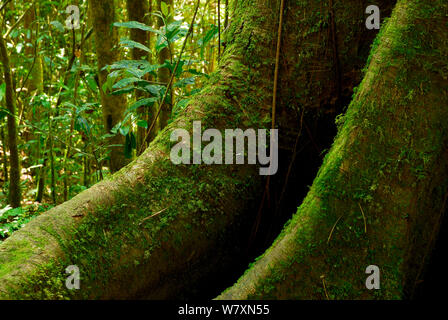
(380, 194)
(106, 43)
(154, 229)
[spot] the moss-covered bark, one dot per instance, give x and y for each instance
(380, 193)
(155, 229)
(107, 232)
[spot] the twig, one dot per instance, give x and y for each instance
(325, 287)
(277, 62)
(5, 4)
(364, 217)
(152, 216)
(332, 229)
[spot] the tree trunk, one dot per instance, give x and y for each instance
(4, 158)
(35, 86)
(164, 74)
(15, 193)
(380, 194)
(140, 11)
(106, 39)
(154, 229)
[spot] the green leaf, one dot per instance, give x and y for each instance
(124, 130)
(140, 103)
(125, 82)
(133, 44)
(161, 43)
(184, 82)
(59, 26)
(164, 8)
(135, 25)
(122, 91)
(207, 38)
(197, 73)
(110, 81)
(91, 83)
(3, 113)
(142, 124)
(155, 90)
(82, 125)
(2, 91)
(178, 107)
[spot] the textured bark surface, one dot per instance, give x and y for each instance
(107, 232)
(198, 213)
(15, 193)
(382, 189)
(164, 74)
(34, 87)
(106, 40)
(140, 11)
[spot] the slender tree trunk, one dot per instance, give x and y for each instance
(15, 193)
(51, 156)
(380, 194)
(164, 74)
(137, 233)
(139, 10)
(5, 158)
(41, 182)
(226, 19)
(35, 86)
(106, 40)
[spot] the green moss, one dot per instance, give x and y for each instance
(386, 161)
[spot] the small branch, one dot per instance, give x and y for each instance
(332, 229)
(325, 287)
(364, 217)
(277, 62)
(5, 4)
(152, 216)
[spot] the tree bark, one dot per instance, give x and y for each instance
(164, 74)
(15, 193)
(140, 11)
(153, 230)
(35, 86)
(106, 39)
(380, 194)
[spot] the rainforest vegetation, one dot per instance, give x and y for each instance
(93, 206)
